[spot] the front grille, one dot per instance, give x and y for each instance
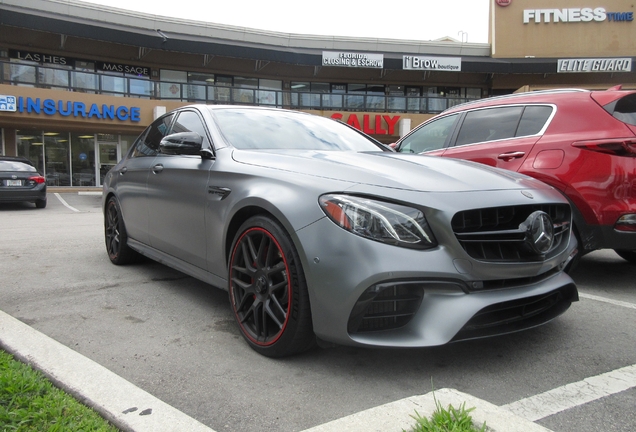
(494, 234)
(515, 315)
(385, 307)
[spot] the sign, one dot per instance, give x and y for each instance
(67, 108)
(7, 103)
(574, 15)
(41, 58)
(376, 128)
(72, 62)
(354, 60)
(123, 68)
(452, 64)
(594, 65)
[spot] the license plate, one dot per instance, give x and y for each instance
(14, 182)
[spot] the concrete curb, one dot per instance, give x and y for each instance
(396, 416)
(132, 409)
(125, 405)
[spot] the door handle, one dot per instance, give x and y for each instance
(157, 168)
(123, 171)
(507, 157)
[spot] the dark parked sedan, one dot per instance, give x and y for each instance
(320, 233)
(20, 181)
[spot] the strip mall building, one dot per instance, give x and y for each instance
(78, 82)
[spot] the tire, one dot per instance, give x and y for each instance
(267, 289)
(115, 235)
(40, 203)
(628, 255)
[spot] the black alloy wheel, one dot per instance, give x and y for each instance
(115, 235)
(267, 289)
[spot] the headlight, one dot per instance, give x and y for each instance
(380, 221)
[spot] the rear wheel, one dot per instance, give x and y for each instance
(115, 235)
(40, 203)
(629, 255)
(268, 291)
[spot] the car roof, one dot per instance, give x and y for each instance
(543, 95)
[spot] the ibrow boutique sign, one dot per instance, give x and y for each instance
(451, 64)
(594, 65)
(353, 60)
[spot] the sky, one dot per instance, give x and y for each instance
(422, 20)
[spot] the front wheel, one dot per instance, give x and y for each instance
(628, 255)
(115, 235)
(268, 291)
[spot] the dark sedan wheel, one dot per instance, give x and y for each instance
(629, 255)
(268, 292)
(115, 235)
(40, 203)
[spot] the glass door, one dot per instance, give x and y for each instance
(107, 154)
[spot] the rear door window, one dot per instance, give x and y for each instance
(502, 123)
(489, 124)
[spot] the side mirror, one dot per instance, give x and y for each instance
(182, 143)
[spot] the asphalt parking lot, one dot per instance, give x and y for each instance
(174, 337)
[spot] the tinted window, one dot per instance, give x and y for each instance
(189, 121)
(431, 136)
(489, 124)
(625, 109)
(148, 142)
(268, 129)
(533, 119)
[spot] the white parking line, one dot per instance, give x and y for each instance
(65, 203)
(571, 395)
(606, 300)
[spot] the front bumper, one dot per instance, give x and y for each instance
(341, 267)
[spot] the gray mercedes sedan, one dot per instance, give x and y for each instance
(322, 235)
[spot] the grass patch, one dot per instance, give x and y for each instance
(30, 402)
(446, 420)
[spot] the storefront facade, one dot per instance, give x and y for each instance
(73, 101)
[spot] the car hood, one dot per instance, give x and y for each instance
(391, 170)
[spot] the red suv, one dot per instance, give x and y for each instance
(581, 142)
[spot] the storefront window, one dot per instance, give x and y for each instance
(269, 91)
(83, 159)
(84, 81)
(31, 146)
(107, 151)
(222, 89)
(22, 74)
(171, 83)
(396, 100)
(243, 91)
(141, 88)
(53, 77)
(56, 151)
(126, 141)
(195, 92)
(376, 100)
(115, 85)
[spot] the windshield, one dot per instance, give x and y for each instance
(288, 130)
